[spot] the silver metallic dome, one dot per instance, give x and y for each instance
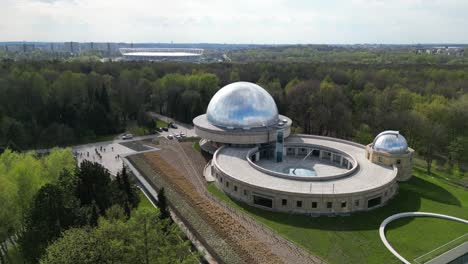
(390, 141)
(242, 105)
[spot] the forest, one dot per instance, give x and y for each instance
(356, 54)
(54, 211)
(56, 103)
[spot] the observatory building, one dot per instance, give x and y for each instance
(257, 161)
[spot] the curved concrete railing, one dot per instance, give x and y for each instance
(354, 163)
(409, 214)
(331, 139)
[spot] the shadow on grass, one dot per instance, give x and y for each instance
(407, 200)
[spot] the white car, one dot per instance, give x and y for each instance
(177, 136)
(182, 134)
(127, 136)
(170, 137)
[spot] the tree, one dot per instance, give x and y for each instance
(433, 134)
(364, 135)
(77, 245)
(162, 205)
(93, 185)
(45, 220)
(124, 192)
(144, 238)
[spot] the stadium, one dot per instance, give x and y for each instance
(161, 54)
(256, 159)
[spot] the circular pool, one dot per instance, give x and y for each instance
(299, 171)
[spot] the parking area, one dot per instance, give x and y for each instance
(187, 129)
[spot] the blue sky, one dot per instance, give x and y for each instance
(240, 21)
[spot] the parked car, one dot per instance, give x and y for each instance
(165, 129)
(127, 136)
(170, 137)
(159, 129)
(177, 136)
(173, 125)
(182, 134)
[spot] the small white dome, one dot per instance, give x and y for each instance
(390, 141)
(242, 105)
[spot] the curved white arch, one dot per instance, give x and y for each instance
(409, 214)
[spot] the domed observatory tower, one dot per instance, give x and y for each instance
(241, 114)
(390, 148)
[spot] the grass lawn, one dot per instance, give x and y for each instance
(160, 123)
(355, 238)
(196, 146)
(144, 202)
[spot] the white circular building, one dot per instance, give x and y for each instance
(161, 54)
(258, 162)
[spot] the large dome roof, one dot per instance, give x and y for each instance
(390, 141)
(242, 105)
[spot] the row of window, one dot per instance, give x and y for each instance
(381, 159)
(284, 202)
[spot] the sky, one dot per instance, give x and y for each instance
(239, 21)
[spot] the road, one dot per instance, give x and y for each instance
(109, 153)
(185, 128)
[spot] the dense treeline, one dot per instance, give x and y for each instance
(346, 54)
(53, 103)
(47, 199)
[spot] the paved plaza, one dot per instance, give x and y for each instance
(109, 154)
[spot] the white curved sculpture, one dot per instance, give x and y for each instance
(409, 214)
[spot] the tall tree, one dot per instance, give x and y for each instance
(45, 220)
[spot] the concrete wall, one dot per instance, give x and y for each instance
(330, 156)
(451, 255)
(352, 202)
(239, 136)
(404, 162)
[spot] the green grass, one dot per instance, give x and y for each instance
(138, 131)
(144, 202)
(355, 238)
(160, 123)
(97, 139)
(196, 146)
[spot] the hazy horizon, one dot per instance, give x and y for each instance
(238, 22)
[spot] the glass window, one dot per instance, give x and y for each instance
(329, 204)
(356, 202)
(398, 161)
(314, 204)
(235, 188)
(227, 184)
(299, 203)
(380, 159)
(245, 192)
(284, 202)
(221, 179)
(374, 202)
(343, 204)
(263, 201)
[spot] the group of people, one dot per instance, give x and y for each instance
(95, 155)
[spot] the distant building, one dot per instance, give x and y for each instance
(72, 47)
(161, 54)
